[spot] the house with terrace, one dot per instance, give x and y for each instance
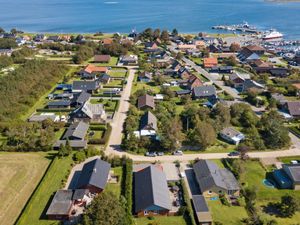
(93, 113)
(293, 108)
(214, 181)
(94, 176)
(90, 72)
(129, 60)
(231, 135)
(148, 124)
(252, 85)
(76, 135)
(145, 77)
(151, 193)
(84, 85)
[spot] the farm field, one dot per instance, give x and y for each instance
(34, 213)
(20, 173)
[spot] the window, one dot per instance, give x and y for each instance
(145, 212)
(210, 192)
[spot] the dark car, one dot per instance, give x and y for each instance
(234, 153)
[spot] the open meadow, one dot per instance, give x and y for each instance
(20, 173)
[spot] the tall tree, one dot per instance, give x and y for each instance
(172, 135)
(274, 133)
(203, 135)
(105, 209)
(288, 206)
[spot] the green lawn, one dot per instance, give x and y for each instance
(253, 178)
(109, 105)
(226, 214)
(289, 159)
(147, 86)
(114, 83)
(116, 188)
(113, 61)
(34, 213)
(162, 220)
(117, 72)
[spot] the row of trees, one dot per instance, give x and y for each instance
(25, 85)
(23, 136)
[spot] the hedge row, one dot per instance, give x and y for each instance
(189, 213)
(106, 136)
(126, 190)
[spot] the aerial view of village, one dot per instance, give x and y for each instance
(152, 126)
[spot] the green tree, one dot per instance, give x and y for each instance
(105, 209)
(174, 32)
(172, 135)
(274, 133)
(221, 116)
(165, 36)
(288, 206)
(203, 135)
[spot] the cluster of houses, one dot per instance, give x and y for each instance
(70, 203)
(75, 99)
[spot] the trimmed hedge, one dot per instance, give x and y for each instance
(106, 136)
(189, 213)
(126, 191)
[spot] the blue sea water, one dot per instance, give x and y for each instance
(123, 15)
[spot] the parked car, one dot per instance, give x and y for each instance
(234, 153)
(182, 175)
(150, 154)
(159, 153)
(178, 152)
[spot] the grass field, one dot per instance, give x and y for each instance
(226, 214)
(253, 178)
(34, 213)
(161, 220)
(116, 188)
(20, 173)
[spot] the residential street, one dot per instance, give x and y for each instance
(113, 147)
(115, 140)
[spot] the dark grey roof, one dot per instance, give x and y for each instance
(94, 173)
(73, 143)
(294, 108)
(209, 175)
(83, 97)
(79, 193)
(293, 171)
(200, 203)
(148, 120)
(183, 92)
(85, 85)
(105, 77)
(204, 91)
(61, 203)
(59, 103)
(76, 130)
(151, 188)
(248, 83)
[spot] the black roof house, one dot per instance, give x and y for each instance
(151, 190)
(76, 131)
(94, 176)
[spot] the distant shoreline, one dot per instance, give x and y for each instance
(283, 1)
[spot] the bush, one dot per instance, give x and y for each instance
(188, 214)
(79, 157)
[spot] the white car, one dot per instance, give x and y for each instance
(178, 152)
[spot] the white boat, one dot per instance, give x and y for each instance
(272, 34)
